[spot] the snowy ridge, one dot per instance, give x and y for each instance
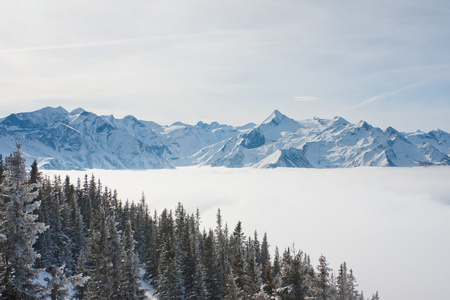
(59, 139)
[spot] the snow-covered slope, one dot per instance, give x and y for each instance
(59, 139)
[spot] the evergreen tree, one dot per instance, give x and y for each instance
(223, 257)
(375, 296)
(73, 224)
(233, 291)
(292, 277)
(35, 175)
(253, 270)
(58, 284)
(199, 290)
(265, 255)
(130, 269)
(104, 257)
(212, 267)
(1, 168)
(322, 286)
(169, 281)
(276, 263)
(18, 231)
(343, 286)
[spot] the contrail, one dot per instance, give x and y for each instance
(387, 94)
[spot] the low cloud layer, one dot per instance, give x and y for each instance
(389, 224)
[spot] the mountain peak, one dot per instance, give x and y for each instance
(51, 110)
(77, 111)
(276, 117)
(340, 121)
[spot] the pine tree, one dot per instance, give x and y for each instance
(265, 255)
(252, 270)
(104, 257)
(375, 296)
(276, 263)
(199, 290)
(212, 267)
(322, 289)
(223, 258)
(73, 222)
(58, 284)
(292, 277)
(35, 175)
(343, 285)
(1, 168)
(233, 291)
(130, 268)
(18, 231)
(169, 280)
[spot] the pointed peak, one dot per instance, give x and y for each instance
(276, 117)
(340, 121)
(364, 124)
(391, 131)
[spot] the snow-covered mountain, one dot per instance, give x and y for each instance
(59, 139)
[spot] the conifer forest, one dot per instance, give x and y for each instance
(94, 246)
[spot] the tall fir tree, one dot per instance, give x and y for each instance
(322, 285)
(130, 268)
(19, 229)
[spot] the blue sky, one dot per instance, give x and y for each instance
(385, 62)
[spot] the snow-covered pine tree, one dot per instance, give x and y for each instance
(238, 262)
(184, 250)
(212, 267)
(1, 168)
(169, 280)
(343, 285)
(292, 277)
(322, 285)
(73, 221)
(233, 291)
(252, 269)
(130, 268)
(19, 229)
(104, 256)
(276, 263)
(152, 255)
(54, 245)
(265, 255)
(223, 255)
(58, 284)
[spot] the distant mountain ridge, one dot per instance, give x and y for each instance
(59, 139)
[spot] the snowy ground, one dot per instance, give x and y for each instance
(391, 225)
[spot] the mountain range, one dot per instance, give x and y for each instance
(59, 139)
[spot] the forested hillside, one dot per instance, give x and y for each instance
(94, 246)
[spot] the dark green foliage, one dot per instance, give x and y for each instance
(35, 175)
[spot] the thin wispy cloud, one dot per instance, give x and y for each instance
(305, 98)
(385, 95)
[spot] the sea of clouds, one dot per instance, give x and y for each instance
(391, 225)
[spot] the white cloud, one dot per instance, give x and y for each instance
(389, 224)
(305, 98)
